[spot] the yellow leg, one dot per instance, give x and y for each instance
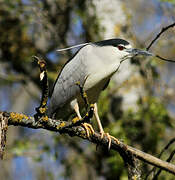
(98, 120)
(101, 128)
(76, 108)
(88, 128)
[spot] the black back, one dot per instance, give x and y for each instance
(112, 42)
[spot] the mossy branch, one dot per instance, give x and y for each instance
(60, 126)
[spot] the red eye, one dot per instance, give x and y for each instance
(120, 47)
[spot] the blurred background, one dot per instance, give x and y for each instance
(138, 107)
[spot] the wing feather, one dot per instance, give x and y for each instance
(65, 89)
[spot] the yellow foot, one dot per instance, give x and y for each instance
(115, 139)
(89, 129)
(109, 137)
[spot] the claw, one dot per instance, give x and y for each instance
(89, 129)
(109, 140)
(108, 137)
(115, 139)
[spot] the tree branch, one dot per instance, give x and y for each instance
(168, 160)
(157, 37)
(159, 34)
(68, 128)
(3, 133)
(159, 156)
(41, 110)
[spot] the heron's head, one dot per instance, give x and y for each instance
(118, 49)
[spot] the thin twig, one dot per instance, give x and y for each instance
(83, 94)
(41, 110)
(158, 35)
(164, 59)
(168, 160)
(166, 147)
(159, 156)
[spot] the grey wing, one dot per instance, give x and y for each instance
(65, 89)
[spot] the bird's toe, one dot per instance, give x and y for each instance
(89, 129)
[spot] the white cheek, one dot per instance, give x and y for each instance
(124, 53)
(111, 54)
(119, 54)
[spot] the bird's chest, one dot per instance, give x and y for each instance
(94, 92)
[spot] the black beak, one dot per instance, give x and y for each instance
(135, 52)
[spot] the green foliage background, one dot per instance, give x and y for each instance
(31, 27)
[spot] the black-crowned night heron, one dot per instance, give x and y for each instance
(93, 66)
